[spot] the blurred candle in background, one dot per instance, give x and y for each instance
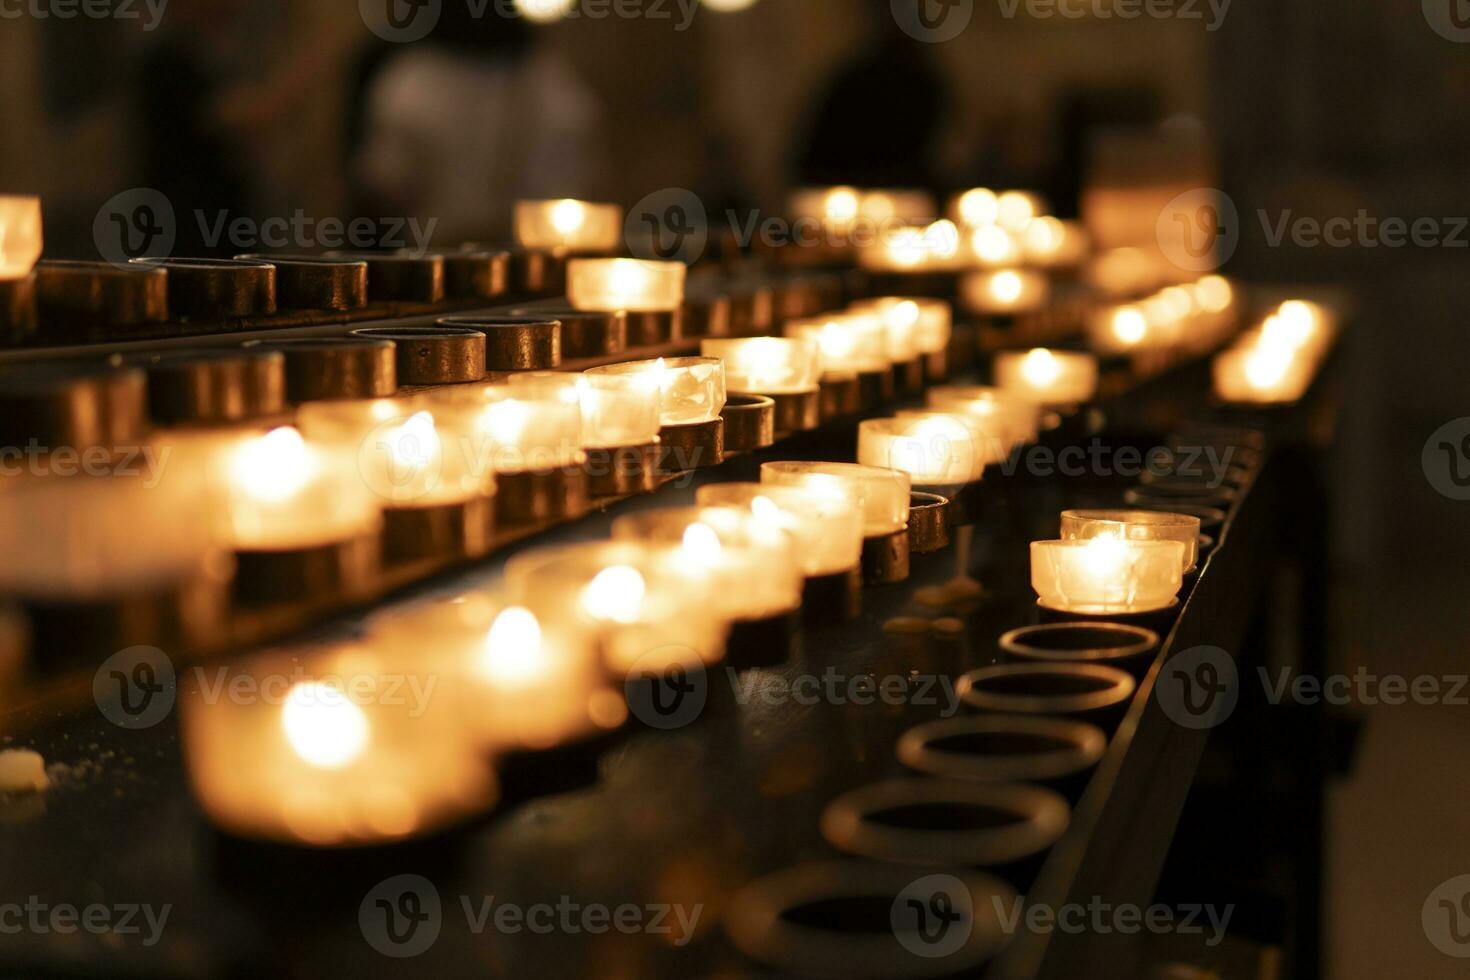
(767, 365)
(634, 285)
(1004, 292)
(932, 319)
(882, 492)
(935, 450)
(531, 423)
(1048, 377)
(692, 389)
(1019, 418)
(827, 527)
(20, 235)
(1051, 243)
(849, 342)
(580, 226)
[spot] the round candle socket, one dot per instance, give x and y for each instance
(528, 497)
(840, 396)
(621, 471)
(691, 446)
(1107, 643)
(217, 289)
(886, 558)
(707, 316)
(692, 388)
(1003, 748)
(515, 343)
(749, 423)
(935, 450)
(825, 524)
(584, 333)
(443, 354)
(837, 919)
(311, 282)
(929, 523)
(400, 278)
(539, 273)
(474, 273)
(87, 300)
(634, 285)
(1107, 576)
(332, 762)
(1063, 689)
(1047, 377)
(653, 328)
(18, 309)
(79, 405)
(328, 368)
(939, 821)
(214, 385)
(875, 388)
(434, 532)
(570, 224)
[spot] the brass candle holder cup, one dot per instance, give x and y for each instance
(442, 354)
(513, 343)
(312, 282)
(330, 368)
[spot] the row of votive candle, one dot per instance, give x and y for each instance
(872, 335)
(1275, 362)
(1190, 317)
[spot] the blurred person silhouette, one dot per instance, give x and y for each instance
(877, 122)
(209, 100)
(459, 126)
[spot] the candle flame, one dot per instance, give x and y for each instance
(1014, 210)
(323, 726)
(512, 654)
(841, 205)
(702, 544)
(1041, 368)
(979, 206)
(413, 443)
(616, 594)
(1213, 294)
(1129, 325)
(273, 467)
(992, 244)
(567, 216)
(1266, 366)
(1007, 287)
(1045, 235)
(1104, 556)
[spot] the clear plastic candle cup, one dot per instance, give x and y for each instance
(936, 450)
(767, 365)
(1048, 377)
(826, 527)
(692, 389)
(1107, 576)
(530, 425)
(581, 226)
(1135, 525)
(849, 342)
(1020, 418)
(883, 493)
(634, 285)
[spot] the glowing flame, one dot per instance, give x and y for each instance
(1041, 368)
(993, 244)
(511, 656)
(1266, 367)
(1045, 235)
(615, 594)
(979, 207)
(323, 726)
(1007, 287)
(1105, 557)
(1129, 325)
(1213, 294)
(841, 205)
(702, 544)
(415, 442)
(567, 216)
(273, 467)
(1014, 210)
(627, 279)
(943, 239)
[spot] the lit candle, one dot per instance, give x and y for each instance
(1118, 329)
(833, 207)
(1051, 243)
(990, 435)
(767, 365)
(620, 409)
(323, 756)
(1048, 377)
(634, 285)
(1135, 525)
(882, 492)
(1019, 418)
(992, 247)
(1261, 374)
(935, 450)
(900, 319)
(1107, 575)
(1015, 210)
(849, 342)
(1004, 292)
(577, 225)
(287, 494)
(900, 249)
(531, 424)
(827, 527)
(647, 612)
(1125, 272)
(526, 677)
(976, 207)
(400, 450)
(20, 236)
(931, 321)
(692, 389)
(751, 567)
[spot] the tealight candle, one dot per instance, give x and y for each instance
(1118, 329)
(900, 319)
(634, 285)
(403, 452)
(648, 614)
(323, 758)
(826, 527)
(935, 450)
(20, 236)
(1015, 210)
(692, 389)
(901, 249)
(1261, 374)
(1048, 377)
(990, 435)
(1004, 292)
(530, 423)
(1051, 243)
(1135, 525)
(1019, 418)
(849, 342)
(570, 224)
(767, 365)
(751, 570)
(528, 677)
(933, 319)
(1107, 576)
(976, 207)
(882, 492)
(834, 207)
(620, 409)
(992, 247)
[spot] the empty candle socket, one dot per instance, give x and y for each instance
(749, 423)
(584, 333)
(94, 301)
(78, 406)
(1004, 749)
(310, 282)
(394, 278)
(514, 343)
(1093, 691)
(443, 354)
(1114, 644)
(217, 289)
(328, 368)
(471, 272)
(215, 385)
